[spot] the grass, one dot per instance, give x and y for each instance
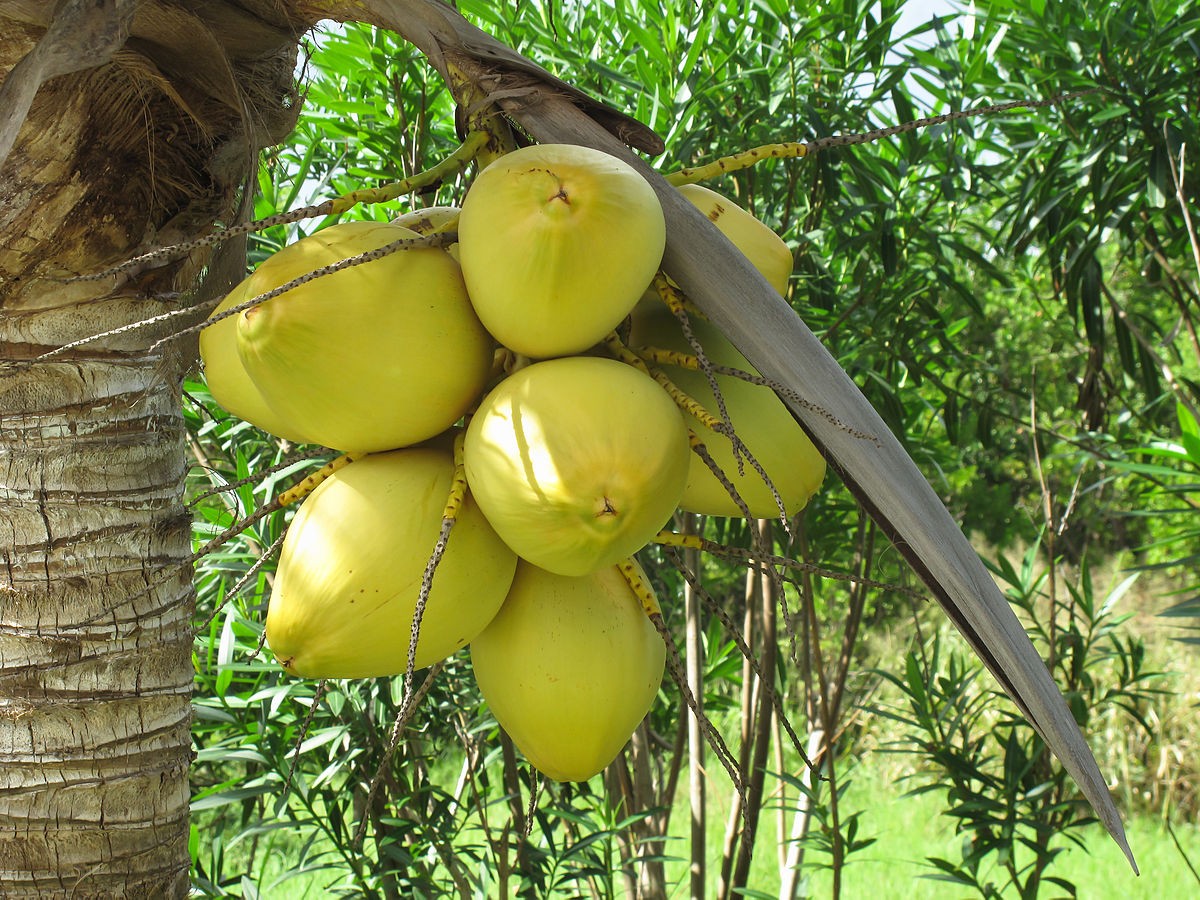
(907, 829)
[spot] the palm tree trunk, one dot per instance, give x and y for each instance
(138, 139)
(95, 670)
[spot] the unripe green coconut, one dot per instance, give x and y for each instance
(577, 462)
(766, 251)
(569, 667)
(227, 379)
(373, 357)
(351, 567)
(557, 243)
(759, 417)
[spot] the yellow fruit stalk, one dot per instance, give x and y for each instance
(569, 667)
(577, 462)
(373, 357)
(352, 563)
(557, 243)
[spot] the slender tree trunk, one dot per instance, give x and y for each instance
(697, 798)
(137, 139)
(790, 875)
(767, 595)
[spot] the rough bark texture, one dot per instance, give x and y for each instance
(149, 141)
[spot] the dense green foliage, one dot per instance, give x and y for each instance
(1017, 294)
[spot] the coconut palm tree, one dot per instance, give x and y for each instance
(124, 124)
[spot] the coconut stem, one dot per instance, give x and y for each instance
(800, 149)
(298, 492)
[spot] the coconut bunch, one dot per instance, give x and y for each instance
(472, 388)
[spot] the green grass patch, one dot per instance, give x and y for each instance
(907, 829)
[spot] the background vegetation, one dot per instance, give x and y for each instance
(1017, 294)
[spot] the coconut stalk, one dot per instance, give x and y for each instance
(826, 402)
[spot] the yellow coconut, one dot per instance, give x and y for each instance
(226, 376)
(351, 567)
(373, 357)
(429, 219)
(569, 667)
(557, 243)
(577, 462)
(766, 251)
(759, 417)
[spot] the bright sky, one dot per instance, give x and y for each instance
(914, 13)
(918, 12)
